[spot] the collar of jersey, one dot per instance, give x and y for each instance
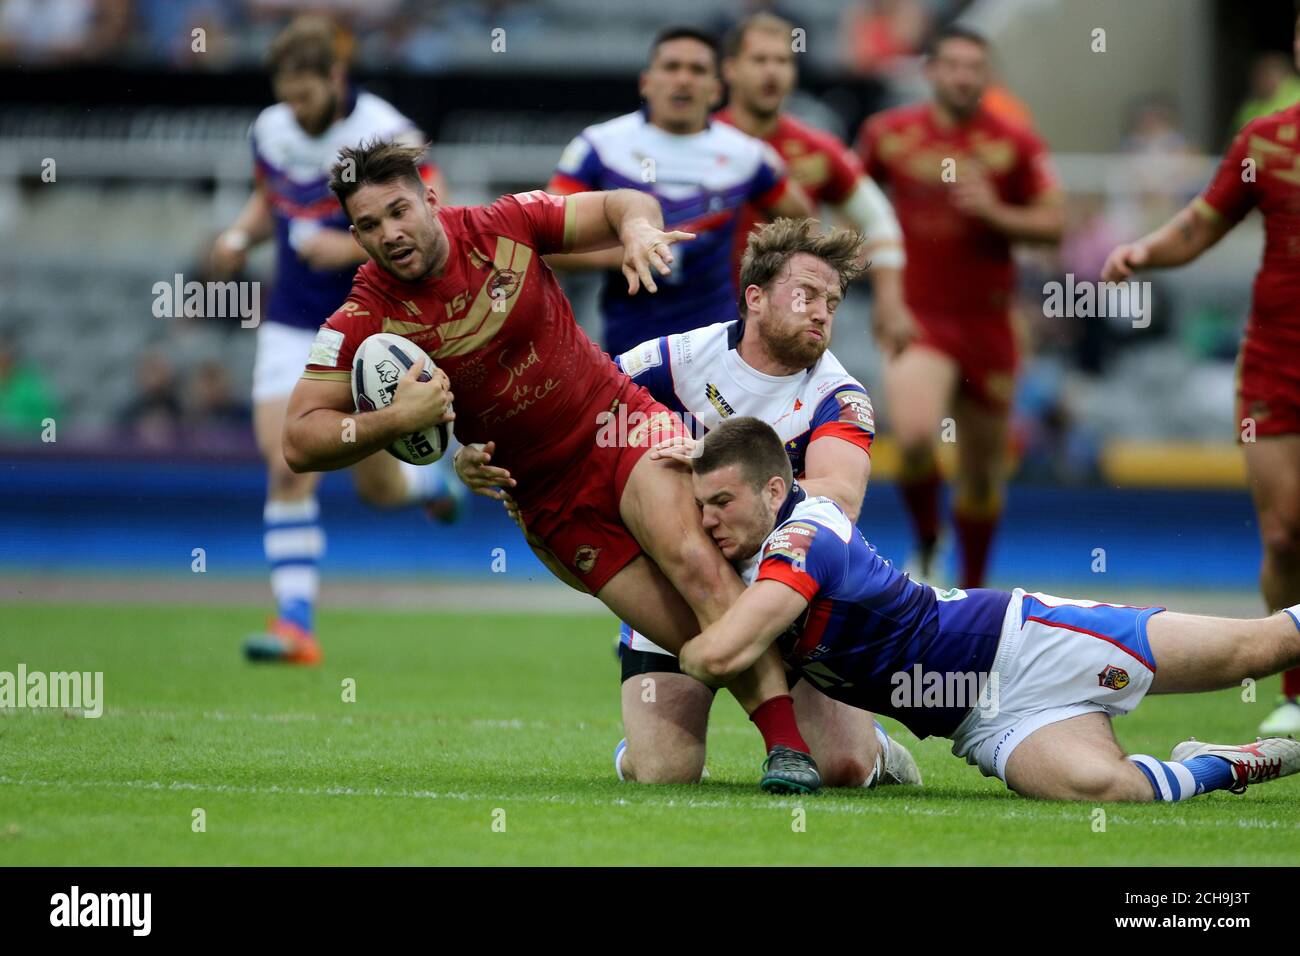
(746, 375)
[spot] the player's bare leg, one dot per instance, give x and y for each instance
(919, 387)
(658, 507)
(666, 720)
(294, 544)
(1076, 759)
(980, 483)
(1273, 471)
(383, 481)
(843, 738)
(1079, 758)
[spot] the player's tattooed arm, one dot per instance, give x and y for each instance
(733, 643)
(323, 431)
(1195, 228)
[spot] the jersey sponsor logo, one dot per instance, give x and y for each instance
(573, 156)
(1115, 678)
(503, 284)
(855, 408)
(791, 541)
(715, 398)
(637, 360)
(325, 347)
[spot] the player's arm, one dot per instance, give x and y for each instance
(869, 211)
(252, 226)
(1194, 229)
(1042, 219)
(323, 431)
(329, 249)
(629, 225)
(839, 470)
(790, 203)
(730, 645)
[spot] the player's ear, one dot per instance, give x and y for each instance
(753, 298)
(431, 197)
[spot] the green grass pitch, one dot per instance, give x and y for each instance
(463, 720)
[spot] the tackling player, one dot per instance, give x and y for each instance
(1259, 170)
(965, 185)
(468, 286)
(294, 143)
(759, 66)
(701, 172)
(1024, 684)
(773, 363)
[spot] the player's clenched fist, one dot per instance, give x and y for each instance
(419, 405)
(647, 250)
(474, 468)
(1123, 261)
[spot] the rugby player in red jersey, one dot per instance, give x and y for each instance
(468, 285)
(1261, 169)
(759, 67)
(965, 185)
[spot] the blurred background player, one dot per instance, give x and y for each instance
(966, 184)
(295, 142)
(1258, 170)
(702, 172)
(758, 64)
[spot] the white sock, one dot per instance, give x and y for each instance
(294, 543)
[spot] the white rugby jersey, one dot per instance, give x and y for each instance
(293, 167)
(700, 374)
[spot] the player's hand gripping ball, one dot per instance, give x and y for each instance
(380, 362)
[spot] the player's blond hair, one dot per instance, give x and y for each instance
(309, 44)
(771, 247)
(763, 22)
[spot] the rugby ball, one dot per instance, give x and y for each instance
(380, 361)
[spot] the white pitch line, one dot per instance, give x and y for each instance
(814, 804)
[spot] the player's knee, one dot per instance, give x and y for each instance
(1281, 538)
(651, 766)
(1098, 782)
(379, 491)
(843, 770)
(286, 485)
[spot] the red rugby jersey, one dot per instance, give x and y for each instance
(956, 264)
(496, 321)
(1262, 168)
(827, 170)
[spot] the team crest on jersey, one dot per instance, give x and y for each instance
(717, 401)
(1115, 678)
(584, 559)
(503, 284)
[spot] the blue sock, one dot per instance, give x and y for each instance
(294, 543)
(1177, 780)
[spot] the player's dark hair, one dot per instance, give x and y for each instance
(750, 443)
(374, 162)
(955, 32)
(734, 39)
(770, 248)
(685, 33)
(309, 44)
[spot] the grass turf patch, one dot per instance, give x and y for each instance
(461, 720)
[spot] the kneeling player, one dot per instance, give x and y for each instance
(774, 364)
(1052, 672)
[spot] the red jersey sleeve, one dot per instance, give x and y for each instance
(845, 171)
(868, 151)
(330, 358)
(1229, 195)
(539, 219)
(1035, 175)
